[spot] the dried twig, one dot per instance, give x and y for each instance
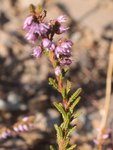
(108, 96)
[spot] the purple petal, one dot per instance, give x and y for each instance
(58, 71)
(52, 46)
(65, 61)
(25, 119)
(62, 30)
(105, 136)
(96, 141)
(43, 28)
(16, 129)
(37, 51)
(25, 127)
(46, 43)
(27, 22)
(61, 19)
(67, 44)
(35, 28)
(58, 51)
(30, 36)
(20, 127)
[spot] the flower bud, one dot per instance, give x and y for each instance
(28, 22)
(37, 51)
(48, 44)
(65, 61)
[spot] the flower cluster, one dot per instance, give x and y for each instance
(63, 52)
(4, 133)
(37, 28)
(25, 124)
(22, 125)
(59, 54)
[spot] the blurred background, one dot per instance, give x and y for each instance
(24, 88)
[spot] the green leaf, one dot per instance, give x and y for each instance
(75, 95)
(53, 83)
(59, 132)
(71, 130)
(60, 108)
(76, 115)
(32, 8)
(68, 86)
(74, 104)
(39, 9)
(64, 94)
(66, 124)
(66, 142)
(72, 147)
(51, 147)
(66, 89)
(69, 115)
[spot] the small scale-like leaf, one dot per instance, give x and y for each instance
(66, 142)
(62, 125)
(59, 132)
(32, 8)
(53, 83)
(68, 86)
(64, 93)
(66, 124)
(74, 104)
(39, 9)
(71, 130)
(75, 95)
(72, 147)
(61, 110)
(76, 115)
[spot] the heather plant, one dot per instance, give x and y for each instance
(59, 54)
(42, 34)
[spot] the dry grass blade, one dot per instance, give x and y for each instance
(108, 95)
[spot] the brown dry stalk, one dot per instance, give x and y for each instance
(107, 96)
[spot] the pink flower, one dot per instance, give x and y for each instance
(61, 19)
(64, 49)
(36, 29)
(96, 141)
(105, 136)
(30, 36)
(62, 30)
(37, 51)
(67, 44)
(43, 28)
(65, 61)
(5, 133)
(58, 71)
(28, 22)
(58, 51)
(25, 119)
(48, 44)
